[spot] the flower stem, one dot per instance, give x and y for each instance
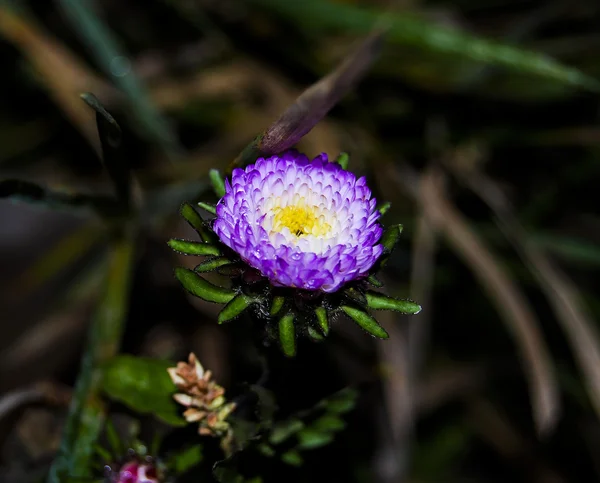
(87, 412)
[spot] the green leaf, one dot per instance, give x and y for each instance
(212, 264)
(184, 460)
(235, 307)
(343, 160)
(321, 314)
(292, 458)
(217, 181)
(26, 191)
(266, 450)
(379, 301)
(328, 423)
(199, 287)
(390, 237)
(283, 430)
(426, 36)
(373, 280)
(287, 335)
(356, 295)
(188, 247)
(104, 46)
(197, 223)
(276, 305)
(365, 321)
(340, 402)
(116, 164)
(144, 385)
(384, 207)
(311, 438)
(208, 207)
(314, 334)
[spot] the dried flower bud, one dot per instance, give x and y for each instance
(204, 399)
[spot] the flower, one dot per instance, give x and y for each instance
(306, 224)
(204, 399)
(136, 472)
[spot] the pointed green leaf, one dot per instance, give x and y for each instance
(314, 334)
(390, 237)
(284, 430)
(379, 301)
(292, 458)
(365, 321)
(193, 248)
(356, 295)
(266, 450)
(276, 305)
(321, 314)
(144, 385)
(235, 307)
(199, 287)
(115, 162)
(343, 160)
(212, 264)
(373, 280)
(208, 207)
(197, 223)
(384, 207)
(310, 438)
(287, 335)
(217, 181)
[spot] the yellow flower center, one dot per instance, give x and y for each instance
(300, 220)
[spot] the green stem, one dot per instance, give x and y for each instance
(87, 412)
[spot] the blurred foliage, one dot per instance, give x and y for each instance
(500, 243)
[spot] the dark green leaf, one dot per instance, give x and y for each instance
(115, 163)
(340, 402)
(266, 405)
(277, 305)
(355, 295)
(328, 423)
(287, 335)
(197, 223)
(266, 450)
(184, 460)
(32, 193)
(235, 307)
(314, 334)
(321, 314)
(208, 207)
(144, 385)
(218, 183)
(310, 438)
(292, 458)
(365, 321)
(372, 279)
(390, 237)
(199, 287)
(379, 301)
(188, 247)
(212, 264)
(283, 430)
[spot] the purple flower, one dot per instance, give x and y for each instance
(135, 472)
(305, 224)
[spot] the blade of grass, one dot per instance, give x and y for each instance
(408, 29)
(104, 46)
(86, 413)
(562, 295)
(510, 302)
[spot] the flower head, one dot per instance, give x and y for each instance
(306, 224)
(203, 398)
(137, 472)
